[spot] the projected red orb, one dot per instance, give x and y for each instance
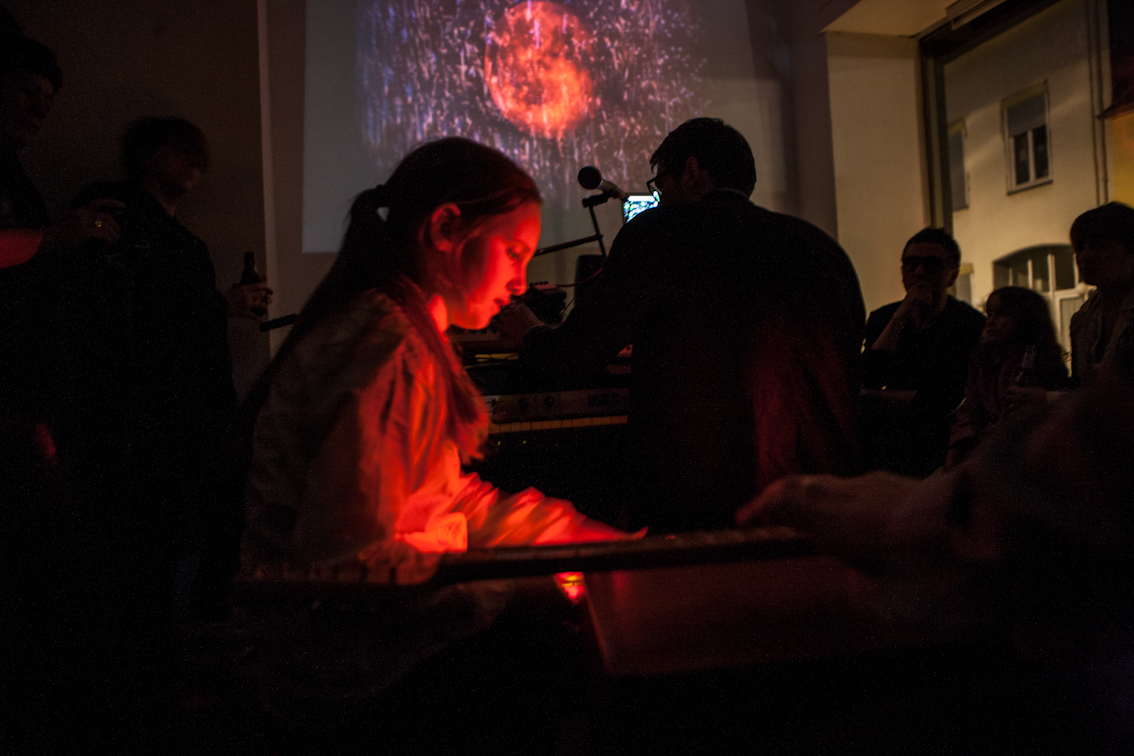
(535, 66)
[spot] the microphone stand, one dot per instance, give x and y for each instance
(589, 203)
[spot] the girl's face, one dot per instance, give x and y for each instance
(1003, 324)
(493, 260)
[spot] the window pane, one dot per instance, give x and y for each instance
(1039, 149)
(1001, 275)
(1039, 275)
(1027, 115)
(957, 169)
(1064, 268)
(1018, 271)
(1020, 149)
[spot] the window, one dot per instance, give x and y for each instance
(962, 288)
(957, 177)
(1027, 139)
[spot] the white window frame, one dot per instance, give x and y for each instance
(954, 128)
(1039, 90)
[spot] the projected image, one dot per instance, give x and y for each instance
(555, 85)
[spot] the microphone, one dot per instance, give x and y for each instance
(591, 178)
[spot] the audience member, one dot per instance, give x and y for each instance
(46, 611)
(916, 359)
(1017, 362)
(1103, 329)
(149, 410)
(746, 326)
(31, 366)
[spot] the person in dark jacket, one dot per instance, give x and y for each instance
(44, 612)
(150, 406)
(746, 326)
(917, 359)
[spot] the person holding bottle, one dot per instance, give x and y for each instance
(150, 407)
(1017, 361)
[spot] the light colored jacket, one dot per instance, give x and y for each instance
(352, 460)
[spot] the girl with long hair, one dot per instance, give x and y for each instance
(364, 417)
(1017, 359)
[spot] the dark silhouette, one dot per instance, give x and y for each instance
(916, 360)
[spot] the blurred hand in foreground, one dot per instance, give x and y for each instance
(843, 516)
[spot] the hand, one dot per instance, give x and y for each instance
(91, 221)
(514, 322)
(249, 301)
(916, 308)
(398, 563)
(843, 516)
(1018, 397)
(917, 304)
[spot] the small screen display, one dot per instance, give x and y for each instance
(636, 203)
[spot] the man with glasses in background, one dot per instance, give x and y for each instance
(746, 326)
(917, 358)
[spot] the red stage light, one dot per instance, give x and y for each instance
(572, 585)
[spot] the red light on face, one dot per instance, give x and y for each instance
(572, 585)
(534, 62)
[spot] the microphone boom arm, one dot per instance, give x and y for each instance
(569, 244)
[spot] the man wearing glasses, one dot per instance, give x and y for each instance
(917, 357)
(746, 326)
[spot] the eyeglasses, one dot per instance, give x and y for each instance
(911, 263)
(652, 184)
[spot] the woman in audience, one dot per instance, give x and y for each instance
(1018, 359)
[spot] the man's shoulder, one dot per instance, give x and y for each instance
(654, 233)
(963, 313)
(789, 228)
(885, 312)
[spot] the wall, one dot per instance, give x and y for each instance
(1122, 144)
(131, 58)
(810, 92)
(880, 182)
(1051, 46)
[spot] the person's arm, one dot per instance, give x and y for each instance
(527, 518)
(387, 485)
(876, 367)
(625, 294)
(88, 222)
(249, 300)
(915, 307)
(847, 517)
(18, 245)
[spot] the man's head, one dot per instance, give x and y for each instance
(29, 79)
(167, 151)
(699, 156)
(1103, 239)
(931, 258)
